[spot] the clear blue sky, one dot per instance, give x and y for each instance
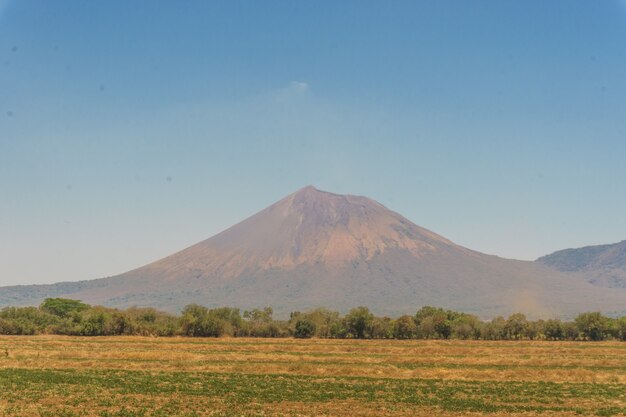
(130, 130)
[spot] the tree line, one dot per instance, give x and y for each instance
(72, 317)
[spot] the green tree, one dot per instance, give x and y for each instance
(516, 326)
(119, 324)
(593, 326)
(426, 328)
(570, 331)
(404, 327)
(621, 328)
(434, 323)
(359, 321)
(62, 307)
(443, 324)
(93, 323)
(261, 324)
(231, 319)
(323, 319)
(424, 312)
(198, 321)
(338, 330)
(258, 315)
(466, 326)
(554, 330)
(305, 329)
(494, 330)
(381, 328)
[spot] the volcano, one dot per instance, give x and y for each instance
(319, 249)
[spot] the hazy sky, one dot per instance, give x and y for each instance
(130, 130)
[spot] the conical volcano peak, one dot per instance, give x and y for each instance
(311, 190)
(316, 203)
(316, 227)
(310, 194)
(307, 189)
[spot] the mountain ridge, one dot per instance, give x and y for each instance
(602, 265)
(319, 249)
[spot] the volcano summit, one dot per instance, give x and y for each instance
(318, 249)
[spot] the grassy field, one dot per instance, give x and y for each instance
(135, 376)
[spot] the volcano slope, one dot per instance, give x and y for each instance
(319, 249)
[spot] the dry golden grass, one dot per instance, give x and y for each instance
(585, 377)
(470, 360)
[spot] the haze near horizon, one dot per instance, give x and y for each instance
(130, 131)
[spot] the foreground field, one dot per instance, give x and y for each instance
(134, 376)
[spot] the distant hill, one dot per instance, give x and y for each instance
(602, 265)
(318, 249)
